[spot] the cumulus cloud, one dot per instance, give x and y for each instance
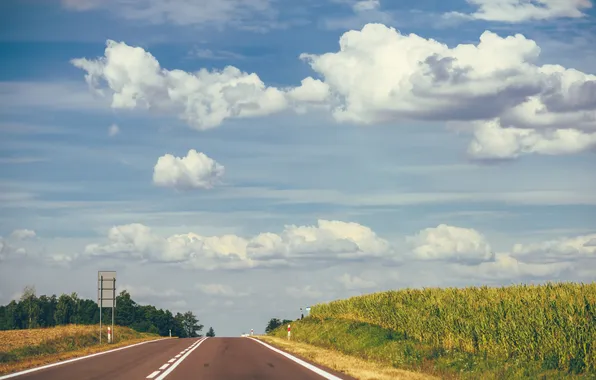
(354, 282)
(23, 234)
(380, 75)
(449, 243)
(515, 11)
(195, 171)
(328, 241)
(564, 249)
(491, 141)
(134, 79)
(113, 130)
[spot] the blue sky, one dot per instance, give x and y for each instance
(431, 211)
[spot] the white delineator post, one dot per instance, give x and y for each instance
(109, 334)
(289, 332)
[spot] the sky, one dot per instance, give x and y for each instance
(246, 158)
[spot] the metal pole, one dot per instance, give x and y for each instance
(113, 309)
(100, 304)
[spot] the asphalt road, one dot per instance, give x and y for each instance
(185, 359)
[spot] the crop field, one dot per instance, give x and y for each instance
(551, 328)
(20, 349)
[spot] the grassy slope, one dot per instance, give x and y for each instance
(348, 326)
(22, 349)
(353, 366)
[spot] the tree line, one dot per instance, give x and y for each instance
(31, 311)
(274, 323)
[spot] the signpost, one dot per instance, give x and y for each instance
(106, 297)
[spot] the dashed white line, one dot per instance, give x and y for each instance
(153, 375)
(169, 370)
(164, 366)
(177, 356)
(171, 360)
(75, 360)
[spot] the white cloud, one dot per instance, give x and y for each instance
(113, 130)
(203, 99)
(564, 249)
(382, 76)
(366, 5)
(328, 241)
(354, 282)
(219, 14)
(506, 266)
(23, 234)
(449, 243)
(220, 290)
(515, 11)
(491, 141)
(195, 171)
(364, 11)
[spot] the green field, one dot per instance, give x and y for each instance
(546, 331)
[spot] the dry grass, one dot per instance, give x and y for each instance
(12, 339)
(37, 347)
(352, 366)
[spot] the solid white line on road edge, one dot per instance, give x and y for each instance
(153, 375)
(75, 359)
(169, 370)
(316, 370)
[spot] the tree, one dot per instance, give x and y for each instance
(272, 325)
(190, 325)
(210, 333)
(30, 306)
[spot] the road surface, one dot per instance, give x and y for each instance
(186, 359)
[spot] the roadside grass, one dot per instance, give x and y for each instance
(24, 349)
(384, 349)
(552, 326)
(353, 366)
(514, 332)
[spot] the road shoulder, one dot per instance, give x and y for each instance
(341, 363)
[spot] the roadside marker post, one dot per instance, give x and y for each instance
(109, 334)
(289, 332)
(252, 332)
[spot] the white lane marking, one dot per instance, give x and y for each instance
(171, 360)
(177, 356)
(75, 359)
(316, 370)
(169, 370)
(153, 375)
(164, 367)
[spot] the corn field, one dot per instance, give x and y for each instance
(552, 323)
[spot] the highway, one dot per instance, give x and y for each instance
(184, 359)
